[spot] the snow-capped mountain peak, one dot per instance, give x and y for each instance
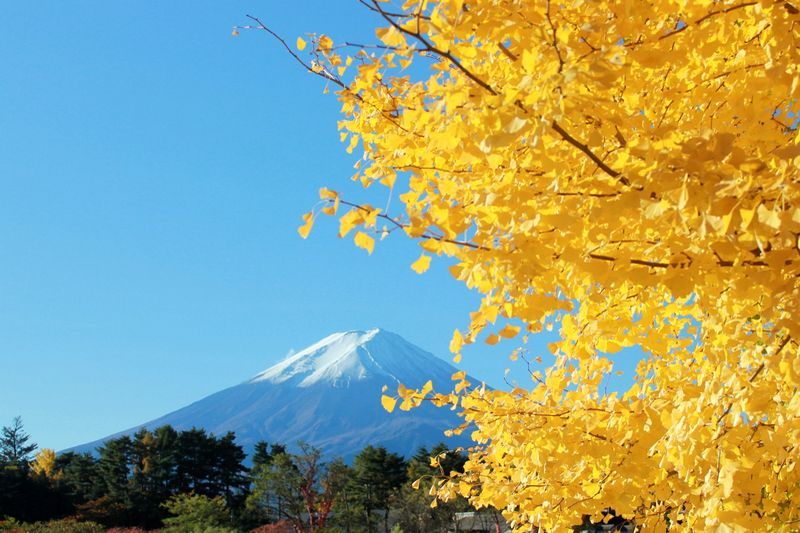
(329, 396)
(342, 358)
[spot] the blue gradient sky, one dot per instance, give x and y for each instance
(153, 170)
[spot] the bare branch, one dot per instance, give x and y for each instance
(326, 75)
(397, 15)
(322, 73)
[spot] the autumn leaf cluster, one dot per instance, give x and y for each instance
(627, 174)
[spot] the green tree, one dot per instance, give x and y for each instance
(377, 473)
(298, 488)
(78, 476)
(114, 506)
(275, 494)
(345, 514)
(228, 473)
(264, 452)
(15, 448)
(193, 459)
(114, 467)
(153, 471)
(196, 513)
(24, 496)
(138, 474)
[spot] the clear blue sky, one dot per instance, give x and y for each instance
(153, 170)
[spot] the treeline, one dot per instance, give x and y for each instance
(184, 480)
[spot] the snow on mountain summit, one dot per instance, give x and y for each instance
(342, 358)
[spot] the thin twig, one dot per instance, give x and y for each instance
(428, 47)
(555, 39)
(322, 73)
(427, 235)
(706, 17)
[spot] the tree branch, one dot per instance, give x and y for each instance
(428, 47)
(427, 235)
(706, 17)
(591, 155)
(322, 73)
(555, 39)
(326, 75)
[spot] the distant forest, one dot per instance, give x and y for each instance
(186, 481)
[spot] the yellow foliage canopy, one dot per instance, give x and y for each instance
(44, 464)
(625, 171)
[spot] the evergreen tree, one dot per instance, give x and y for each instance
(163, 459)
(153, 465)
(115, 506)
(24, 496)
(228, 474)
(14, 446)
(114, 468)
(261, 454)
(264, 452)
(78, 476)
(377, 473)
(193, 461)
(208, 465)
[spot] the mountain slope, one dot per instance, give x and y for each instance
(329, 396)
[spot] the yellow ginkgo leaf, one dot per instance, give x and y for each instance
(428, 387)
(364, 241)
(325, 43)
(301, 44)
(390, 36)
(388, 402)
(456, 342)
(349, 221)
(327, 194)
(305, 229)
(509, 332)
(422, 264)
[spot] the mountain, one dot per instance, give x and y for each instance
(329, 396)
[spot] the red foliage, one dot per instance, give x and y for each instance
(284, 526)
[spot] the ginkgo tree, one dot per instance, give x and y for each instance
(623, 172)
